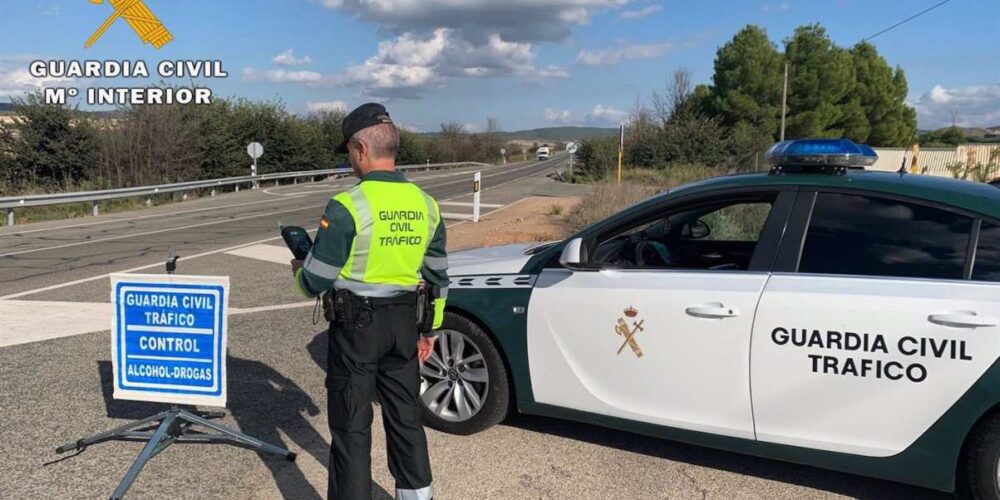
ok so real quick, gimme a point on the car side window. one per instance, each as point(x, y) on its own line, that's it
point(987, 265)
point(873, 236)
point(714, 236)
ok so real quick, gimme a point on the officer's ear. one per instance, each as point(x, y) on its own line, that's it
point(363, 150)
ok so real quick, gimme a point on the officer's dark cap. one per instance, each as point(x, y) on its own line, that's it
point(366, 115)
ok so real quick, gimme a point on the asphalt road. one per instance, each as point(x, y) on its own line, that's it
point(40, 255)
point(59, 390)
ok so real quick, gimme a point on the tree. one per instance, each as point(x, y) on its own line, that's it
point(945, 137)
point(49, 146)
point(746, 87)
point(881, 92)
point(413, 149)
point(821, 86)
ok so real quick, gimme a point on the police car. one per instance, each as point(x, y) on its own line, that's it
point(819, 314)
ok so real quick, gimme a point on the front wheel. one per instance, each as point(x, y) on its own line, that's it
point(463, 385)
point(983, 462)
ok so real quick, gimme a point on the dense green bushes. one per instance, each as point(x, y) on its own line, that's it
point(57, 148)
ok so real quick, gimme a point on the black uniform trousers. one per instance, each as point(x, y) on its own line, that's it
point(375, 356)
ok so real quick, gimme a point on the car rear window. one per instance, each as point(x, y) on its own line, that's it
point(987, 267)
point(872, 236)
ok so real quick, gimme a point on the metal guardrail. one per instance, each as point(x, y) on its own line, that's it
point(95, 197)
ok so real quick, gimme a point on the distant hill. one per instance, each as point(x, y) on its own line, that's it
point(6, 107)
point(560, 134)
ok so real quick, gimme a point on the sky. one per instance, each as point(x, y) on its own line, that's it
point(527, 63)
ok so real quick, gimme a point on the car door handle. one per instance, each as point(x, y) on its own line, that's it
point(962, 319)
point(712, 310)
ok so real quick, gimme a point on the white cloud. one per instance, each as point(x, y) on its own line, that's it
point(287, 58)
point(451, 39)
point(16, 80)
point(410, 64)
point(631, 15)
point(626, 52)
point(598, 116)
point(337, 106)
point(605, 116)
point(776, 7)
point(973, 106)
point(281, 76)
point(514, 20)
point(559, 116)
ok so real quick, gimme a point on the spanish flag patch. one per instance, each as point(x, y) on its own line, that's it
point(324, 223)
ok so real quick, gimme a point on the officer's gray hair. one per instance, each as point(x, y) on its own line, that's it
point(383, 139)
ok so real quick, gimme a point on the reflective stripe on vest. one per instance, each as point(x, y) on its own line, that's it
point(394, 223)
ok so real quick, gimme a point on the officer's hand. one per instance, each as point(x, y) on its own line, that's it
point(425, 346)
point(296, 265)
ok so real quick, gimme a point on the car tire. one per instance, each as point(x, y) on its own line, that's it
point(452, 383)
point(982, 464)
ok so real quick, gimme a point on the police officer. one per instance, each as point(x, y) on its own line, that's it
point(376, 243)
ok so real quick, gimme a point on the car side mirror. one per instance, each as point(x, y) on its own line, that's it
point(573, 255)
point(697, 230)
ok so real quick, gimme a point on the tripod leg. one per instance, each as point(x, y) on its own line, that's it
point(238, 436)
point(151, 448)
point(113, 433)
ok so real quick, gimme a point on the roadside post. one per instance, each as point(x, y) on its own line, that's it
point(477, 185)
point(621, 153)
point(503, 153)
point(255, 150)
point(571, 148)
point(168, 345)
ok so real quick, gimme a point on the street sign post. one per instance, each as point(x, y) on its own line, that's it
point(503, 153)
point(169, 346)
point(255, 150)
point(571, 148)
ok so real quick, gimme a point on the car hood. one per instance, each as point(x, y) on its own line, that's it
point(507, 259)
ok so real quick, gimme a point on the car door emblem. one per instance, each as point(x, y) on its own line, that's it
point(623, 330)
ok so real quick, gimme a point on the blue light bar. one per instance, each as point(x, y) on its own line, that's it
point(821, 153)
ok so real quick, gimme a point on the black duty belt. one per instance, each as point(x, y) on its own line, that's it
point(407, 298)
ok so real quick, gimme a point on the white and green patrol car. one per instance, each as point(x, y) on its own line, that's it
point(819, 314)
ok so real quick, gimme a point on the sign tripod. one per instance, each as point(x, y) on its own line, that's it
point(172, 426)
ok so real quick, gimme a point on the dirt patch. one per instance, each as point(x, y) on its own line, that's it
point(529, 220)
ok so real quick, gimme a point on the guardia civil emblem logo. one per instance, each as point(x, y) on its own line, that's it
point(139, 17)
point(623, 329)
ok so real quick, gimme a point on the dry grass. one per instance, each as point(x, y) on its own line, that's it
point(609, 198)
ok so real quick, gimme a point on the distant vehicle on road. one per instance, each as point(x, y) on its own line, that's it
point(543, 154)
point(820, 314)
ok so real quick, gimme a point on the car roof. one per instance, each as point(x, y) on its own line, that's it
point(973, 196)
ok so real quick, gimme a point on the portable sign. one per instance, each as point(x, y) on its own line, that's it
point(169, 338)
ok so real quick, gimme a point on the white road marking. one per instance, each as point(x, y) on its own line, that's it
point(452, 216)
point(27, 321)
point(158, 231)
point(133, 270)
point(467, 204)
point(32, 321)
point(281, 307)
point(267, 253)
